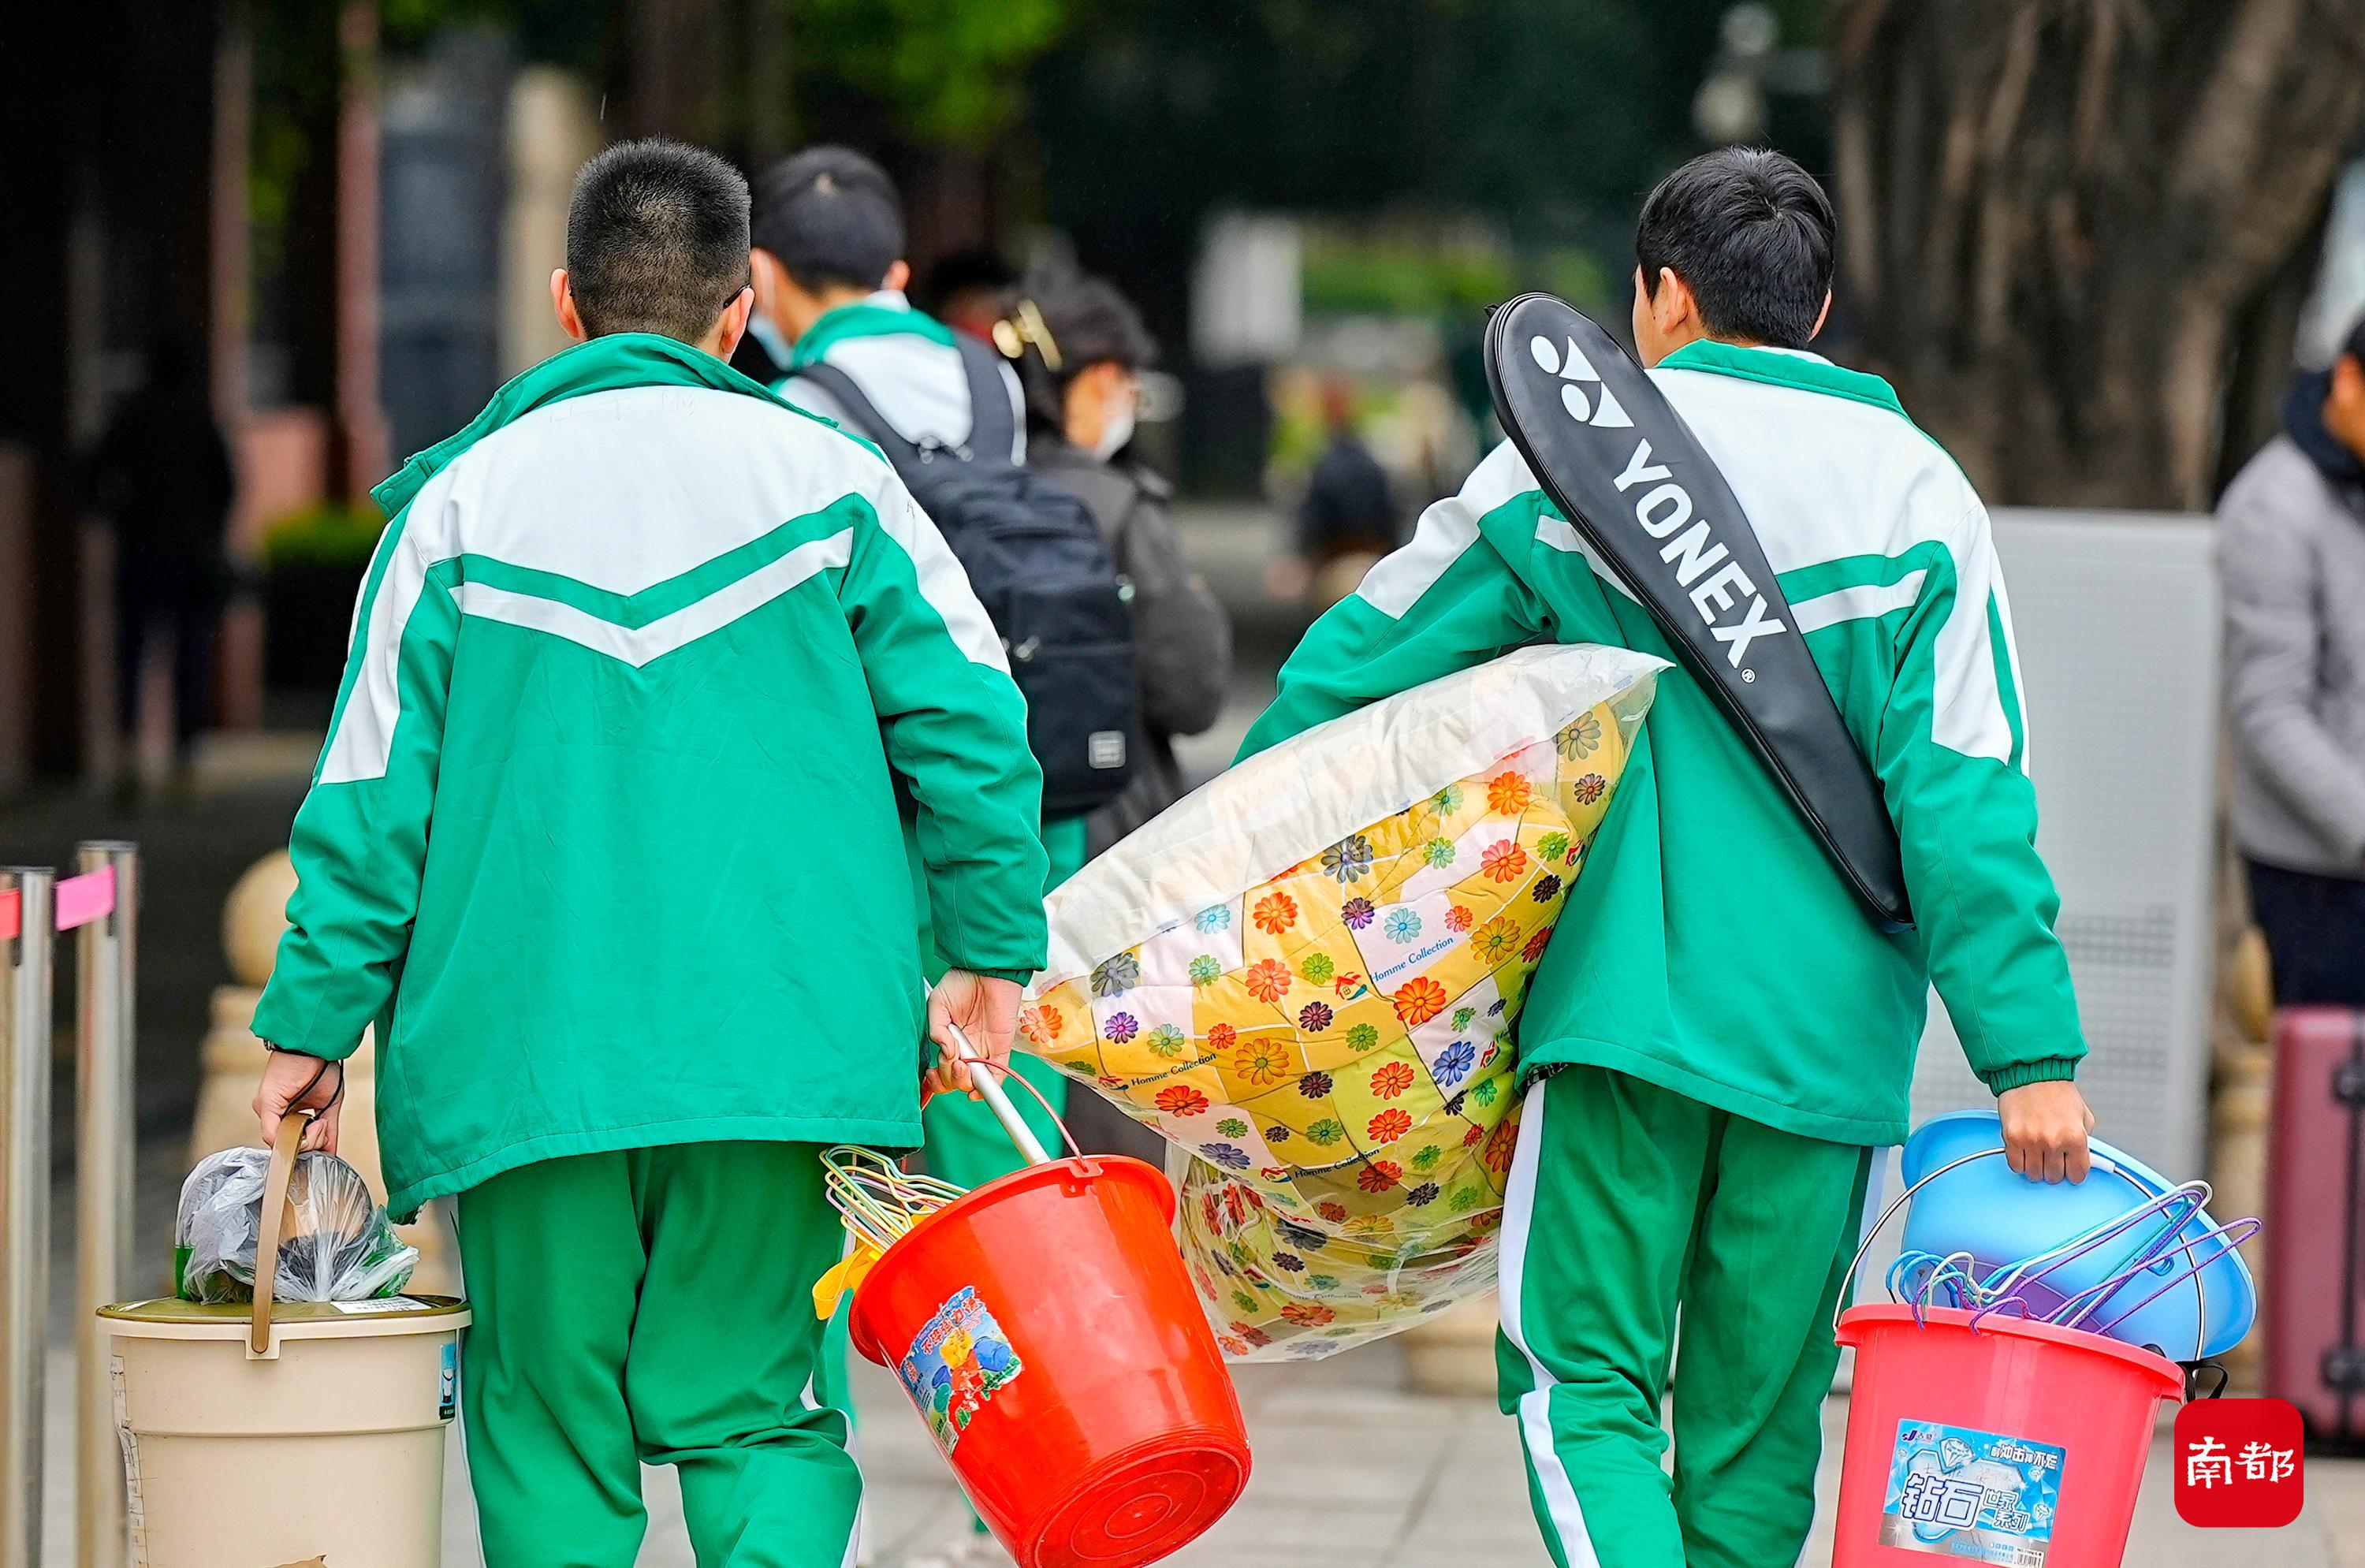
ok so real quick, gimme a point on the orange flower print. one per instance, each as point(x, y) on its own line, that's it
point(1391, 1079)
point(1535, 947)
point(1388, 1126)
point(1496, 941)
point(1040, 1025)
point(1261, 1063)
point(1181, 1100)
point(1331, 1209)
point(1307, 1313)
point(1509, 794)
point(1267, 979)
point(1504, 862)
point(1500, 1143)
point(1418, 1001)
point(1219, 1036)
point(1379, 1175)
point(1458, 918)
point(1274, 913)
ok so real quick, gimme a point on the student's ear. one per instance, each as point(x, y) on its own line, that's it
point(732, 325)
point(1820, 317)
point(562, 301)
point(898, 278)
point(1672, 309)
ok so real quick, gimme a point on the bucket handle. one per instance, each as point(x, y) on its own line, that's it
point(985, 1078)
point(266, 1245)
point(2101, 1162)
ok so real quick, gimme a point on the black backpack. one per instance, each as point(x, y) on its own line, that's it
point(1037, 561)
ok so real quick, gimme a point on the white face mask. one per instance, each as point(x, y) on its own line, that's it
point(1116, 429)
point(769, 338)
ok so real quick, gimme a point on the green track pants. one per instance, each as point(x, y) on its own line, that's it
point(654, 1305)
point(1626, 1201)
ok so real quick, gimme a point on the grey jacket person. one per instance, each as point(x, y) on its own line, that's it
point(1183, 638)
point(2291, 550)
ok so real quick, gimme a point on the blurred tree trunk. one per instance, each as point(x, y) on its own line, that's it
point(2059, 217)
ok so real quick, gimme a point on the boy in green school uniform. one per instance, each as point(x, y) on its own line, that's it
point(605, 843)
point(1718, 1038)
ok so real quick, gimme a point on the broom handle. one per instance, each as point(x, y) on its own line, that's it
point(989, 1089)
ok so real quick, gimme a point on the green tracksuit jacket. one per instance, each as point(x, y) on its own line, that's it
point(603, 838)
point(1710, 947)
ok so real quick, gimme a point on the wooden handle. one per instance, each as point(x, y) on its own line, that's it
point(292, 1127)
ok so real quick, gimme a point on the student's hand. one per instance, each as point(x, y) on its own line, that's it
point(2044, 1131)
point(293, 1082)
point(987, 1012)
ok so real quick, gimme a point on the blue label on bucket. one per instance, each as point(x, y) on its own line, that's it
point(1974, 1497)
point(958, 1360)
point(448, 1396)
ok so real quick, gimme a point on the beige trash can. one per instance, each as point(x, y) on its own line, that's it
point(289, 1432)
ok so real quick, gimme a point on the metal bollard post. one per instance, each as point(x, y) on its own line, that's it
point(24, 1206)
point(105, 1134)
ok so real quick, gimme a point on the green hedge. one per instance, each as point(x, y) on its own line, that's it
point(325, 535)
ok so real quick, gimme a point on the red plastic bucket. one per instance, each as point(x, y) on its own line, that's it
point(1048, 1333)
point(2017, 1444)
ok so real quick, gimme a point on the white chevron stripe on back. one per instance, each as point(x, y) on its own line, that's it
point(637, 645)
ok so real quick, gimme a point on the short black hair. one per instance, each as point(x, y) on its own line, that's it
point(978, 267)
point(657, 240)
point(1750, 234)
point(831, 216)
point(1088, 323)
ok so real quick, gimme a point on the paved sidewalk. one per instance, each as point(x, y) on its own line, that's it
point(1353, 1472)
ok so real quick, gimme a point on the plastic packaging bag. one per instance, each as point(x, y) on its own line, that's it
point(1306, 974)
point(337, 1244)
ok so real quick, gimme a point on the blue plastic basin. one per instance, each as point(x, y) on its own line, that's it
point(1999, 1217)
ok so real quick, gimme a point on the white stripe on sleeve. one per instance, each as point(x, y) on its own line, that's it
point(1446, 530)
point(1862, 602)
point(943, 583)
point(1966, 707)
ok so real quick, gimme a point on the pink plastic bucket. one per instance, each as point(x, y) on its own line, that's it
point(2017, 1444)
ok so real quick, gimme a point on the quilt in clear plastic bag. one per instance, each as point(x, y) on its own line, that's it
point(1308, 974)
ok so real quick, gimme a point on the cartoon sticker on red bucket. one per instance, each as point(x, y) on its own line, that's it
point(1974, 1497)
point(959, 1360)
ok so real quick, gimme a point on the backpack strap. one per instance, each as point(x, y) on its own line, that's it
point(993, 424)
point(902, 455)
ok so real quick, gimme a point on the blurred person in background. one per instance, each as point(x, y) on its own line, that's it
point(2291, 550)
point(161, 474)
point(830, 276)
point(1348, 518)
point(1081, 348)
point(967, 289)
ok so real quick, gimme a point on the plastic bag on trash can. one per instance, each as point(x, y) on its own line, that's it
point(338, 1244)
point(1309, 975)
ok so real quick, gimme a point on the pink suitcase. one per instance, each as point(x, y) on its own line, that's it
point(2314, 1310)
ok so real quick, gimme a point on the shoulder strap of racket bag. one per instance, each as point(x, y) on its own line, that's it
point(1635, 483)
